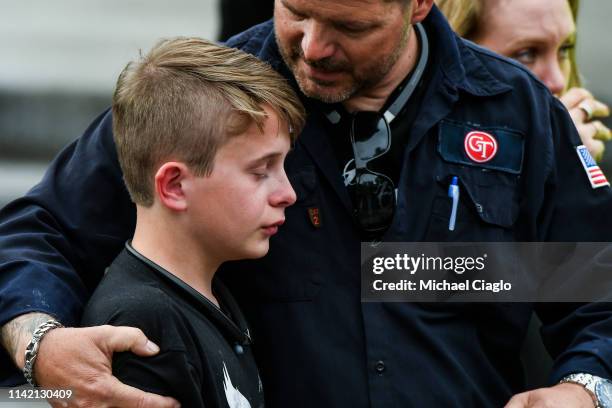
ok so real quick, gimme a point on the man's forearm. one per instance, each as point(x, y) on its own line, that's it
point(17, 333)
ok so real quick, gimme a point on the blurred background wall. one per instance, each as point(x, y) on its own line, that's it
point(60, 61)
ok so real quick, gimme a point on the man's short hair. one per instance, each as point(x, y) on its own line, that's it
point(183, 100)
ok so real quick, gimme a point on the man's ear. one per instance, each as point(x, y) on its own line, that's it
point(420, 10)
point(169, 185)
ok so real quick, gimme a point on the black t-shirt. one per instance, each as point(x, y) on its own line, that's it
point(205, 357)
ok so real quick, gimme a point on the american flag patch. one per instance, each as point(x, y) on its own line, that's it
point(596, 176)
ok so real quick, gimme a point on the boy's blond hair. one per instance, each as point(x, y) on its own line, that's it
point(183, 100)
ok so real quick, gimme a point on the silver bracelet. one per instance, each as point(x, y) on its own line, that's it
point(32, 349)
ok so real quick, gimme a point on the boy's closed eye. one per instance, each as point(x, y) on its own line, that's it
point(261, 167)
point(260, 172)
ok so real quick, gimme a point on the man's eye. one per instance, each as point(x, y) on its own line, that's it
point(526, 57)
point(296, 16)
point(352, 29)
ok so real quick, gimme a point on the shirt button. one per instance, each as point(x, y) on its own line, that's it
point(238, 349)
point(380, 367)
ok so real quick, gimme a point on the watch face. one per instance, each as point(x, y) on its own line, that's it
point(603, 391)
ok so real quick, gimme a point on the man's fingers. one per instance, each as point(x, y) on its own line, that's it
point(80, 359)
point(125, 396)
point(110, 392)
point(117, 339)
point(518, 401)
point(58, 403)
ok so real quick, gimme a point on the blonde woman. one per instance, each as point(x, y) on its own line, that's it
point(541, 34)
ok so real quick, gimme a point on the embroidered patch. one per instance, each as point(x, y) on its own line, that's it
point(594, 173)
point(315, 218)
point(480, 146)
point(510, 146)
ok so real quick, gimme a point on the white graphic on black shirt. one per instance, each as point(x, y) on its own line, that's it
point(349, 173)
point(234, 398)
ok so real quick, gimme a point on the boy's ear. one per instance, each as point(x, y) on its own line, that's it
point(169, 185)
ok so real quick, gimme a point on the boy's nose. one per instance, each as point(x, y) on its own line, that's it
point(285, 195)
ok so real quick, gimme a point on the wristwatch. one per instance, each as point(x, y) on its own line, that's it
point(600, 388)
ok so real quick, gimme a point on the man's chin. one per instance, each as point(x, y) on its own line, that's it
point(325, 92)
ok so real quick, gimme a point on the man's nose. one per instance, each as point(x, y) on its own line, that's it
point(317, 42)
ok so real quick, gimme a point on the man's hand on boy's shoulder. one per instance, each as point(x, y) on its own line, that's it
point(79, 359)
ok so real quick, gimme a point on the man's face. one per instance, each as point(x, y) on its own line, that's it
point(235, 210)
point(336, 49)
point(538, 33)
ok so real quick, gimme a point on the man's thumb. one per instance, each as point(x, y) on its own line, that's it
point(121, 338)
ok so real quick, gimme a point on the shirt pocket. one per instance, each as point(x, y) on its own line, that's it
point(488, 206)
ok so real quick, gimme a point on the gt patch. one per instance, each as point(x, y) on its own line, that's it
point(494, 148)
point(480, 146)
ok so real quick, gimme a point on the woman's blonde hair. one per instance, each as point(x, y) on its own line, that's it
point(465, 15)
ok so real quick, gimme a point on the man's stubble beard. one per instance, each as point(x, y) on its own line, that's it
point(373, 75)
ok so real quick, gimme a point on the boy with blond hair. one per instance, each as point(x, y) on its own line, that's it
point(202, 132)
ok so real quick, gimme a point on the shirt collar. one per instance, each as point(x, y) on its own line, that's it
point(457, 60)
point(237, 328)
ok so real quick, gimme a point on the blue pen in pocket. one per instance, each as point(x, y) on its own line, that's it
point(453, 193)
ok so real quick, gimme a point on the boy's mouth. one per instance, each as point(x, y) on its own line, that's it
point(273, 228)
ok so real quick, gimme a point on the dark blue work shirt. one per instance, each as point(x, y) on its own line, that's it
point(316, 343)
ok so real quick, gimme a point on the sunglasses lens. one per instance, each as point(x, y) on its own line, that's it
point(373, 200)
point(371, 135)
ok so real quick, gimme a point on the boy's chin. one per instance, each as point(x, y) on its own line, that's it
point(258, 250)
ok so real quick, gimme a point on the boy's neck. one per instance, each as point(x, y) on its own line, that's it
point(162, 241)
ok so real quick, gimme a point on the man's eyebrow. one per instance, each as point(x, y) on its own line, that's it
point(363, 25)
point(290, 8)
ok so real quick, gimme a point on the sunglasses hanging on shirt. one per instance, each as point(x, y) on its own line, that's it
point(373, 194)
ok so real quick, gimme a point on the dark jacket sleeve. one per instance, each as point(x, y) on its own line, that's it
point(579, 336)
point(56, 241)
